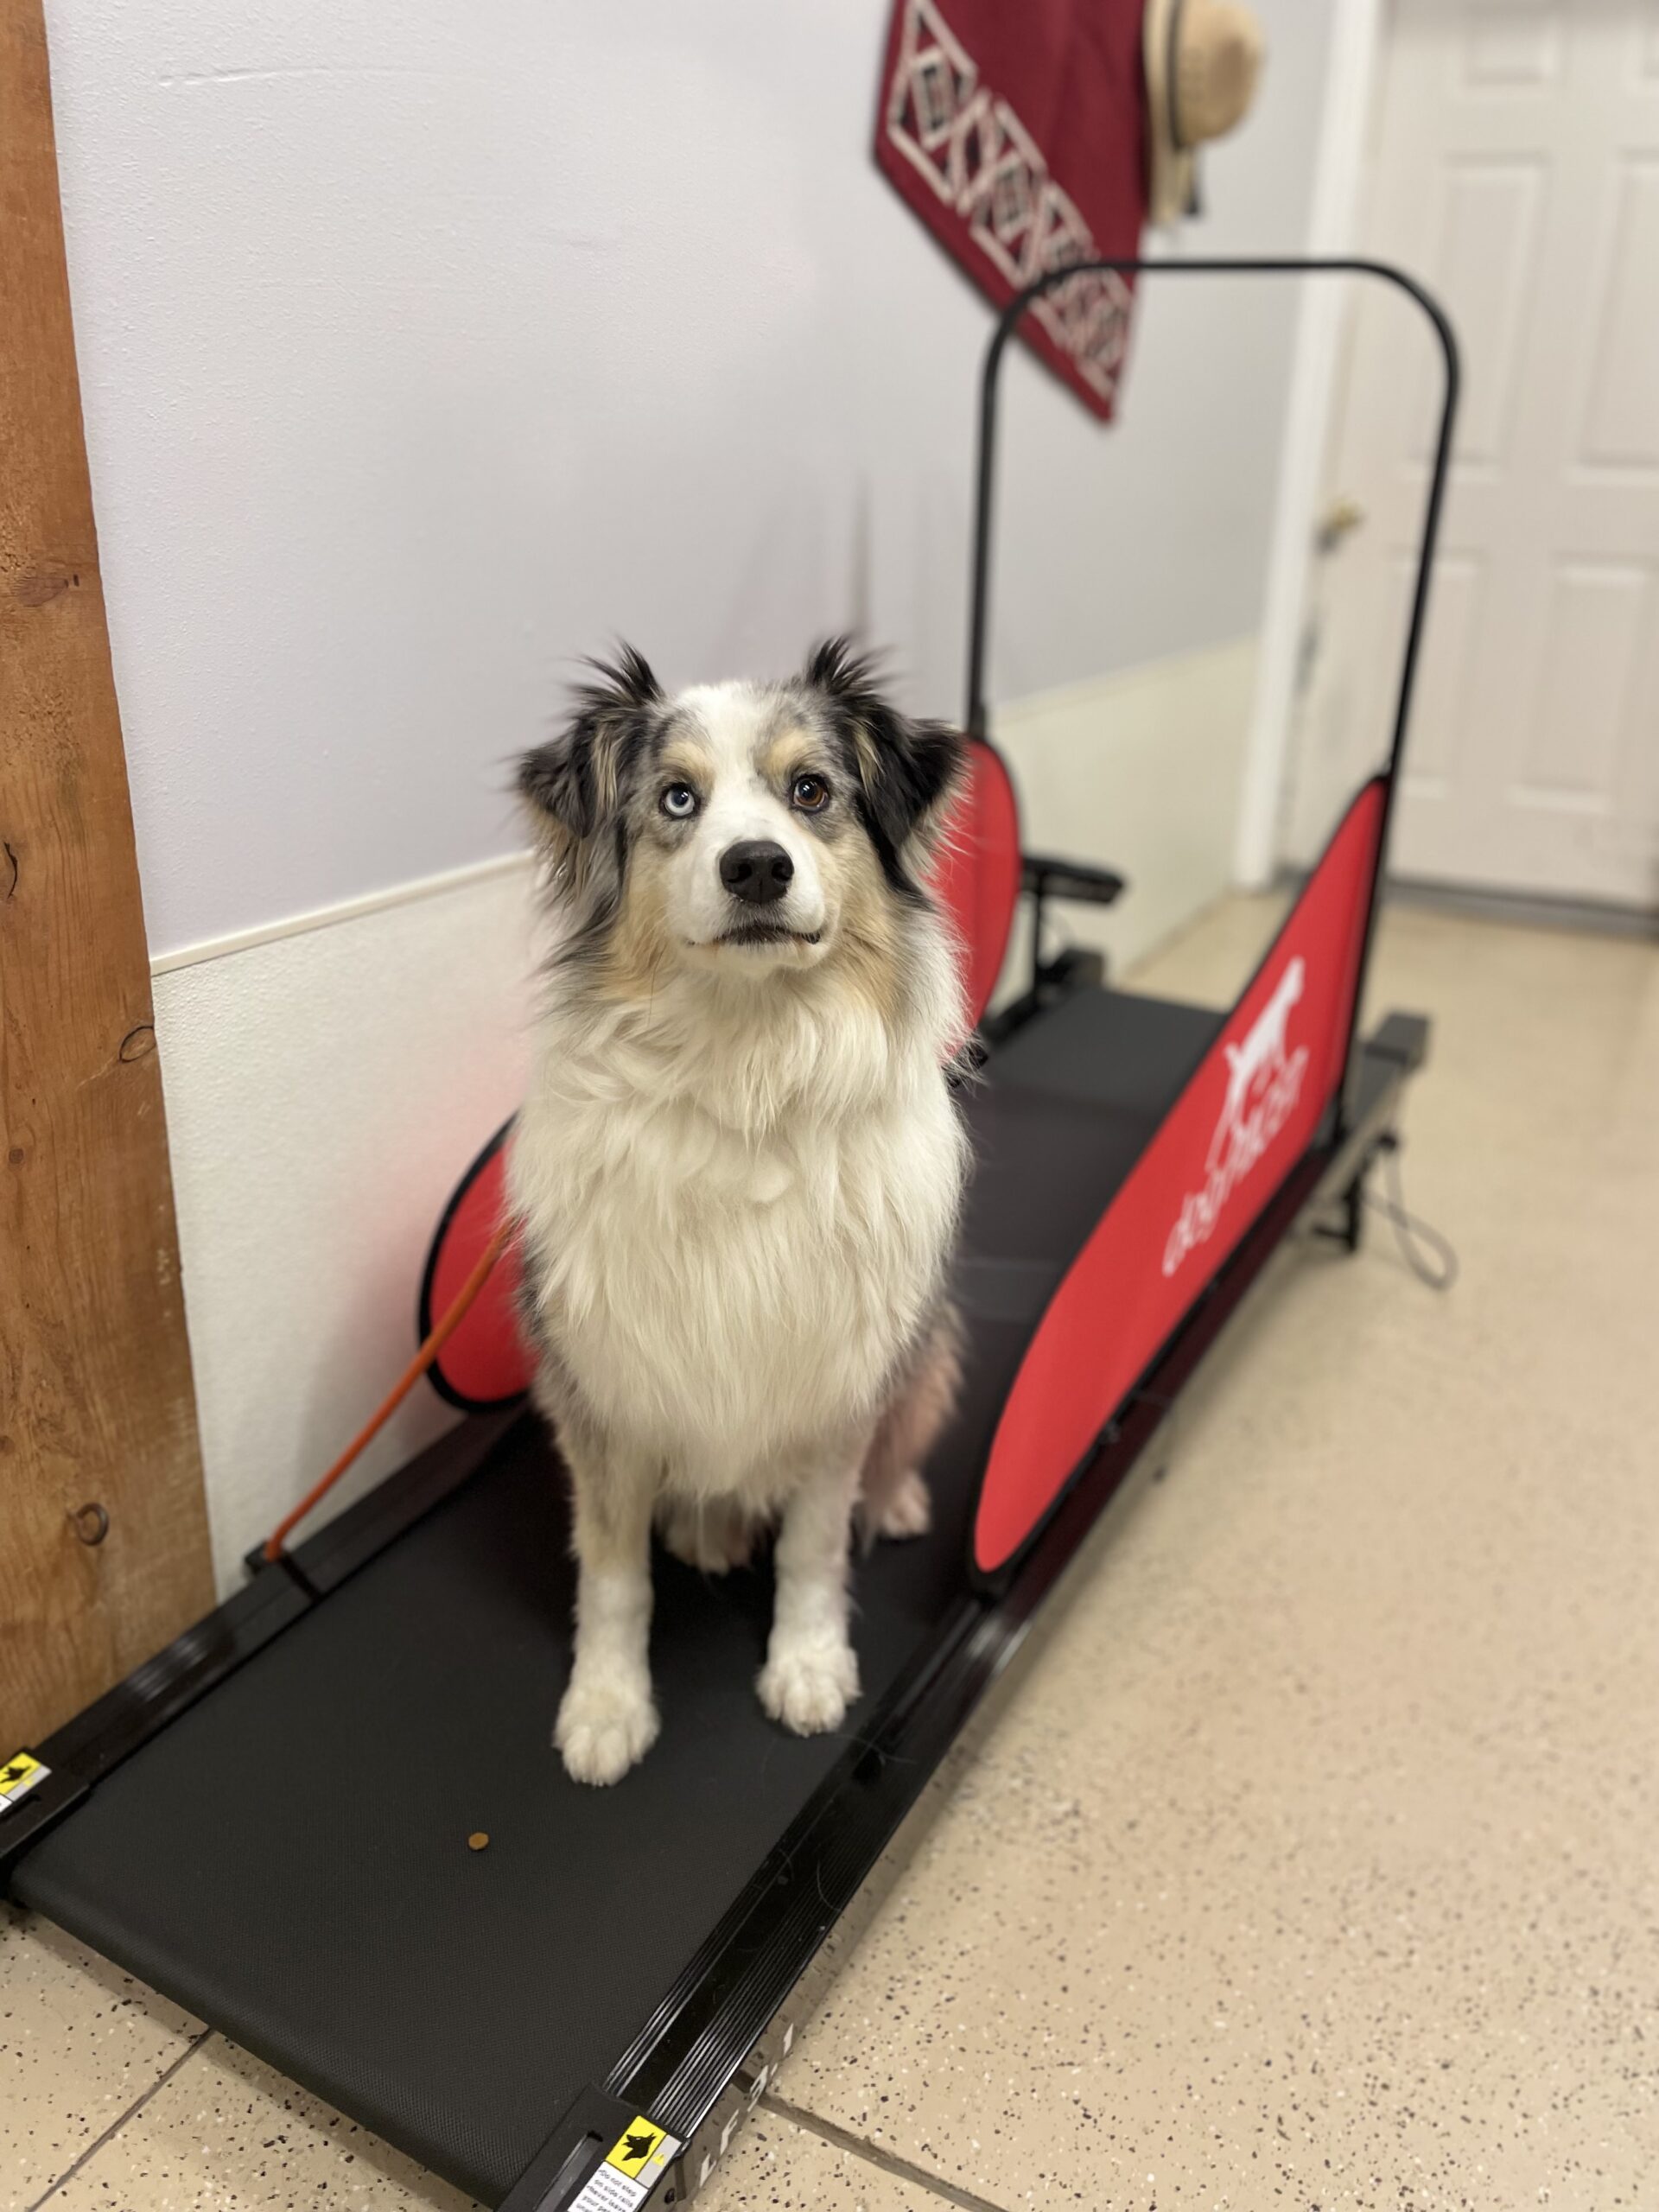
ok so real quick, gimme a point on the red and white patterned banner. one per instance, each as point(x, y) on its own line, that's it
point(1018, 136)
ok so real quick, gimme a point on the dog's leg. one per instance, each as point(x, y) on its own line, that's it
point(811, 1675)
point(893, 1498)
point(607, 1718)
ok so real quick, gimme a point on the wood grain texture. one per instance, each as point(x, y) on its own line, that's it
point(96, 1404)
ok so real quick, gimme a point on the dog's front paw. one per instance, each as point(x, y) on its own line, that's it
point(809, 1687)
point(604, 1728)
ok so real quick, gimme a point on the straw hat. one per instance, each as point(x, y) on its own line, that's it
point(1202, 57)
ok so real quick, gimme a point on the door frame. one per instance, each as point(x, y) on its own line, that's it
point(1347, 129)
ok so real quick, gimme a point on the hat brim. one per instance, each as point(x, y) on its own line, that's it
point(1169, 167)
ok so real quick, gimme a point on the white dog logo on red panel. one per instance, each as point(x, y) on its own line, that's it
point(1264, 1080)
point(1262, 1053)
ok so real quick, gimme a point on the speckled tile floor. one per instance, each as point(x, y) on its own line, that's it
point(1312, 1864)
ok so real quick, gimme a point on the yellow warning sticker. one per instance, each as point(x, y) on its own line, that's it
point(20, 1773)
point(637, 2147)
point(628, 2176)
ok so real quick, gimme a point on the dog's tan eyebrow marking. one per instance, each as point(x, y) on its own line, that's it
point(788, 752)
point(684, 757)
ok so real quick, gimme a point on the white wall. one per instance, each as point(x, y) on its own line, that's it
point(1112, 751)
point(424, 349)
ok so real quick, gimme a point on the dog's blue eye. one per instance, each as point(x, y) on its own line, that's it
point(810, 793)
point(680, 801)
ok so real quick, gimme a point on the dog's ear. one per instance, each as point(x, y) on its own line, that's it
point(909, 772)
point(576, 781)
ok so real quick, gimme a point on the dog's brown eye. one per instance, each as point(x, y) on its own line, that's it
point(679, 802)
point(810, 793)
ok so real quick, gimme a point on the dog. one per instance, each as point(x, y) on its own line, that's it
point(739, 1168)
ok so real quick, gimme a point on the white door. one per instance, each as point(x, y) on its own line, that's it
point(1515, 167)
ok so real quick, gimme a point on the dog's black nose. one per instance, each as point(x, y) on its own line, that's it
point(757, 870)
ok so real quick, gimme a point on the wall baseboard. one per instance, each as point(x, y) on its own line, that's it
point(1524, 909)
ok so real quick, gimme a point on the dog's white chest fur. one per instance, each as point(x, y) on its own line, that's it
point(730, 1250)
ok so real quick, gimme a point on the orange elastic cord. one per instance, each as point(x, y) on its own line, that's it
point(411, 1374)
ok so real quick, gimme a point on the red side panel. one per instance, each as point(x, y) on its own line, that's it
point(1245, 1117)
point(976, 879)
point(486, 1362)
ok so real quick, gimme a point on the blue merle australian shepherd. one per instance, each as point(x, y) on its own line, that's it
point(739, 1166)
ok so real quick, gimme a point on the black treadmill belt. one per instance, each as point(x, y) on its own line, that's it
point(290, 1857)
point(1112, 1049)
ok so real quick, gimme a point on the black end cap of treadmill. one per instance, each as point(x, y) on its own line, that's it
point(1402, 1038)
point(24, 1823)
point(572, 2154)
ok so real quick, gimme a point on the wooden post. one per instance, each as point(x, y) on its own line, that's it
point(97, 1410)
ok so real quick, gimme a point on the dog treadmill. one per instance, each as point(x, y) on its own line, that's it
point(276, 1821)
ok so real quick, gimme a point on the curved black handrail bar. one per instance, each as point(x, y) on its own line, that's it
point(1224, 265)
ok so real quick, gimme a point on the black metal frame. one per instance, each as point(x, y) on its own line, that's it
point(1224, 265)
point(1042, 877)
point(686, 2066)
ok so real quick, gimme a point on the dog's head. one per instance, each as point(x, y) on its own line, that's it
point(741, 828)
